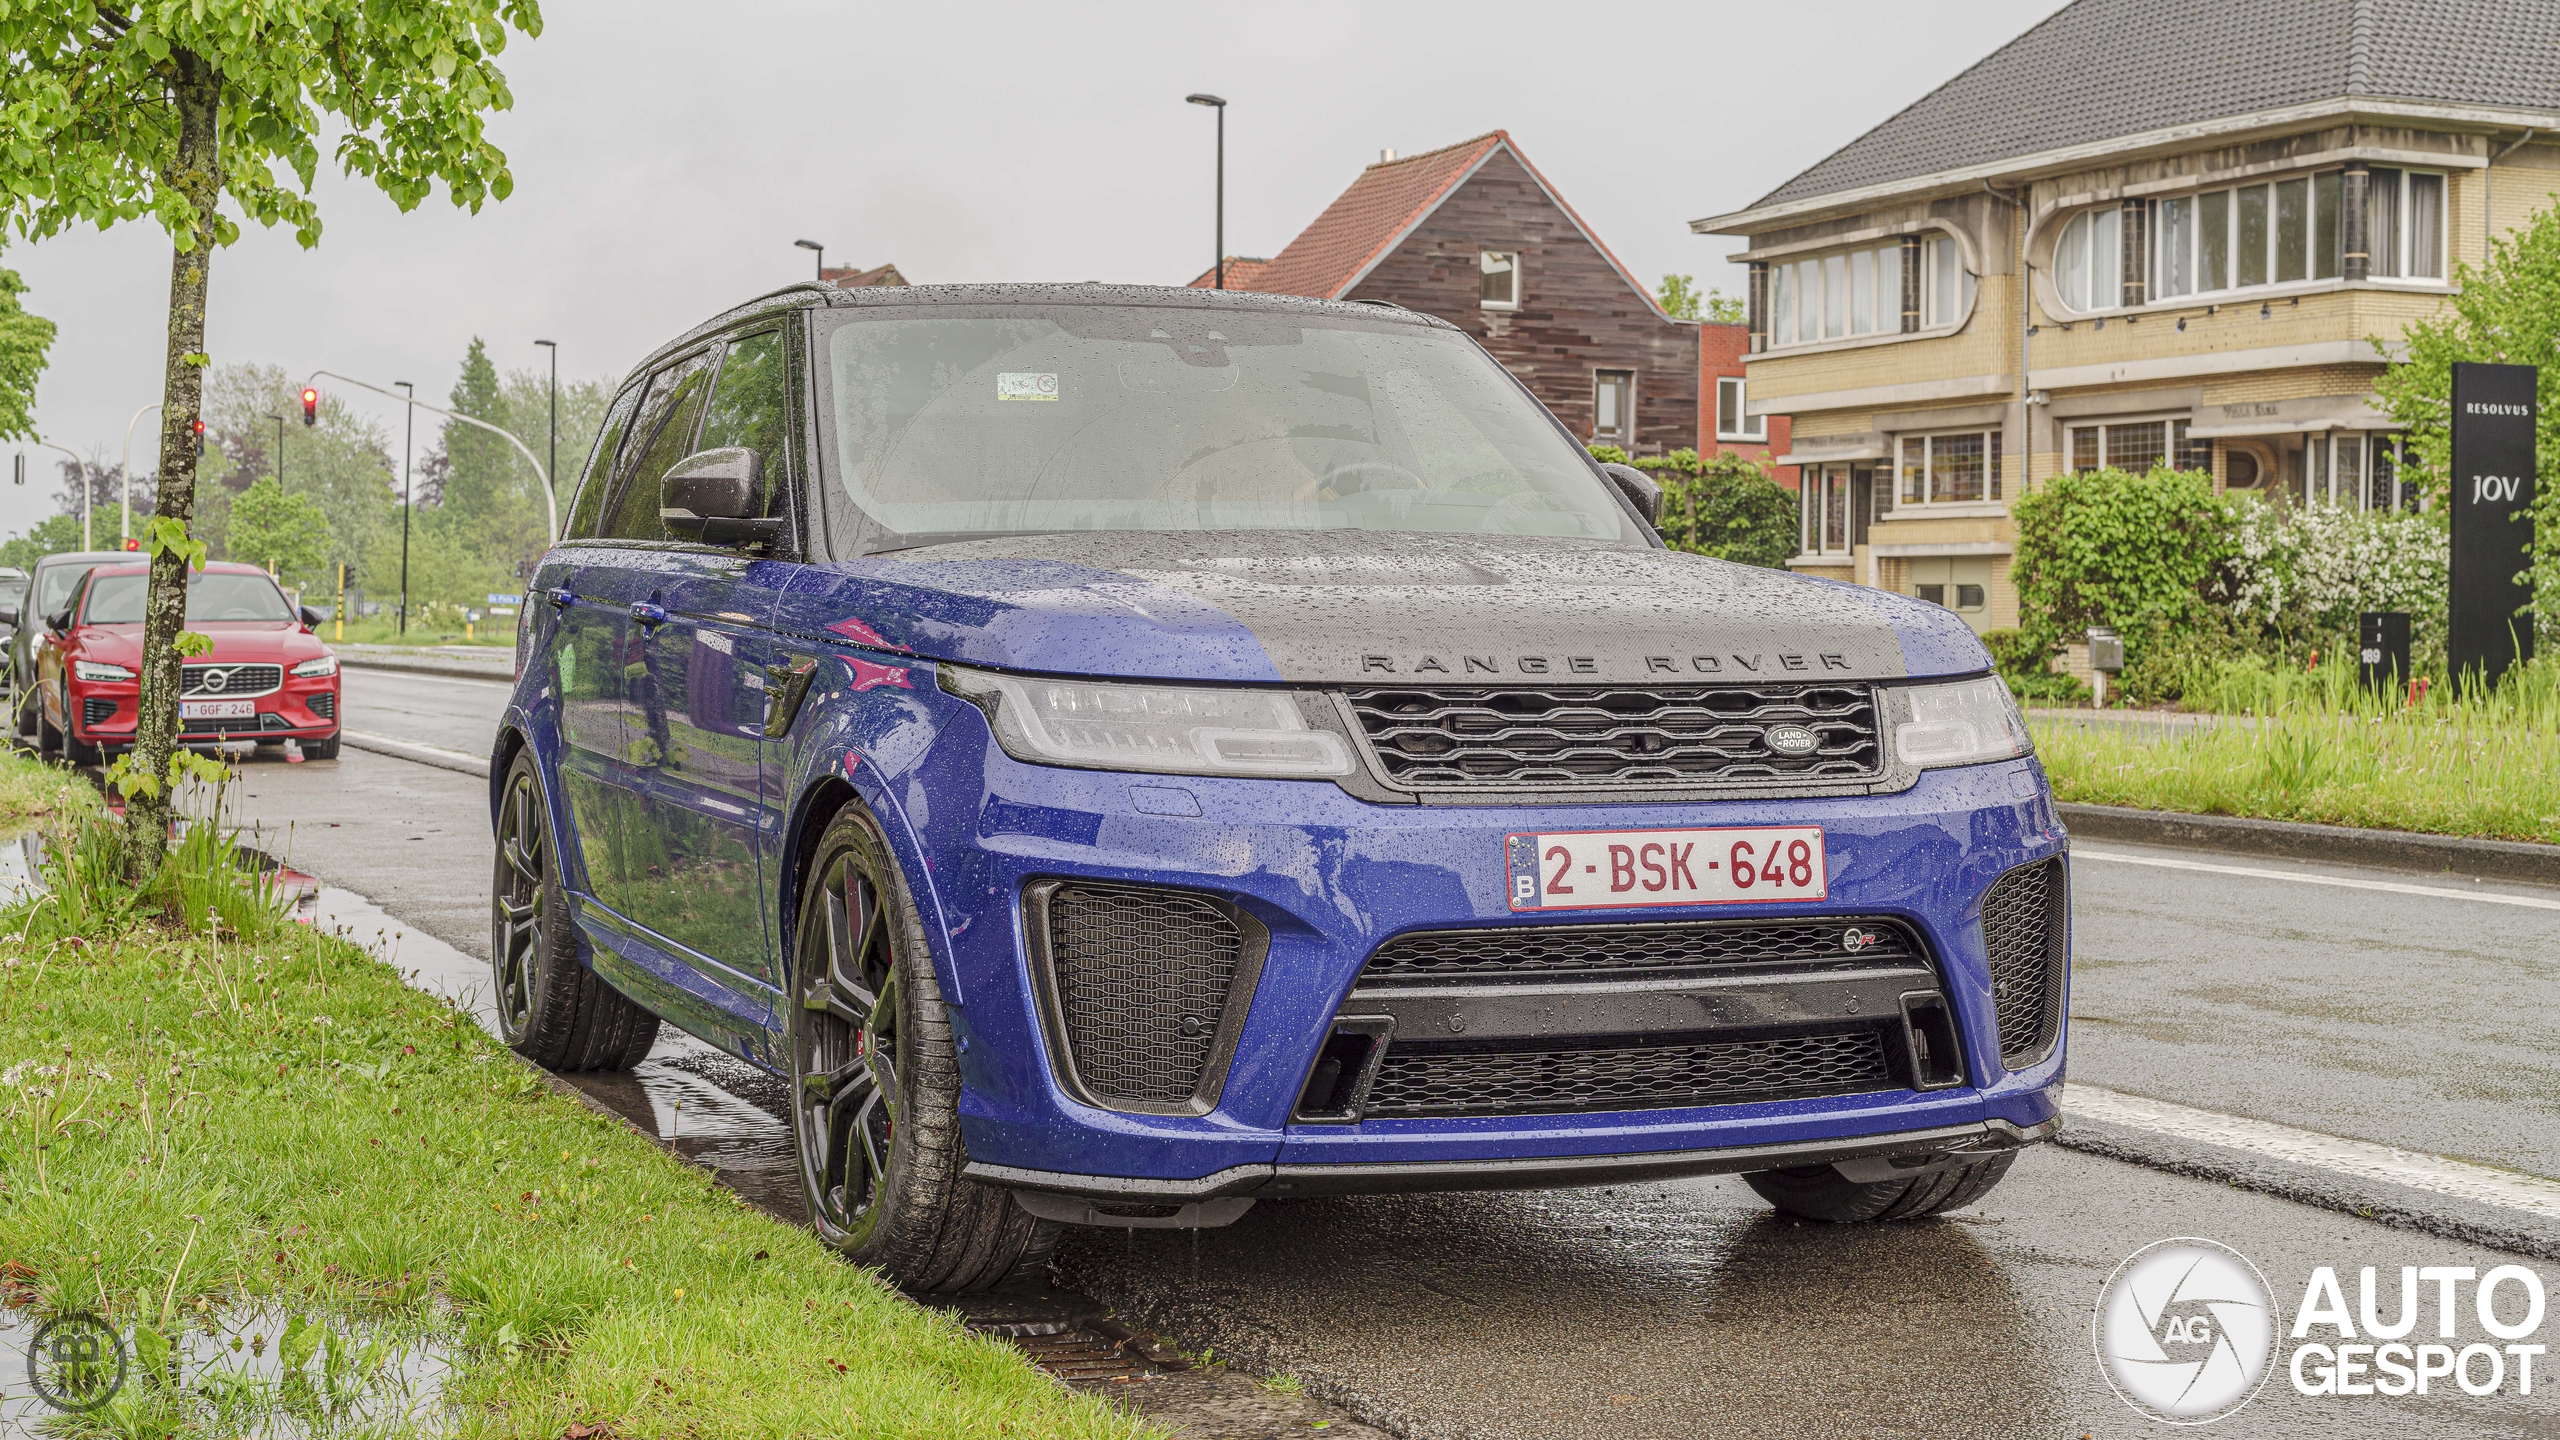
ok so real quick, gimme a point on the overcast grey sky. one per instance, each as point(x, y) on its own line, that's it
point(666, 155)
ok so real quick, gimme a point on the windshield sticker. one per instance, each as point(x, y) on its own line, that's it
point(1026, 385)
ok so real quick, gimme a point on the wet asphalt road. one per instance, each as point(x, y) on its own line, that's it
point(1687, 1308)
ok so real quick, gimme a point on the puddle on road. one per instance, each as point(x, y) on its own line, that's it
point(257, 1371)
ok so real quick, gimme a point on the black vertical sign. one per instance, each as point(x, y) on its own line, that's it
point(2492, 483)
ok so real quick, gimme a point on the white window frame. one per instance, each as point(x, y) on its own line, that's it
point(2079, 225)
point(2071, 431)
point(1801, 297)
point(1753, 427)
point(1625, 435)
point(1481, 271)
point(1814, 488)
point(1994, 453)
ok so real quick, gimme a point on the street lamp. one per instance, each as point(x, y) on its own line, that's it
point(822, 256)
point(85, 486)
point(1214, 103)
point(552, 478)
point(124, 538)
point(408, 438)
point(279, 448)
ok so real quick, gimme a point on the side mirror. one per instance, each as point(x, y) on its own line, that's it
point(1640, 490)
point(9, 616)
point(712, 495)
point(311, 618)
point(59, 620)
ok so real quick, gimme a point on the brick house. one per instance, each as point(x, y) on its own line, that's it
point(1726, 424)
point(2210, 250)
point(1473, 234)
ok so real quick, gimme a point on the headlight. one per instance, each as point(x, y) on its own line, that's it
point(312, 669)
point(1966, 723)
point(92, 670)
point(1179, 730)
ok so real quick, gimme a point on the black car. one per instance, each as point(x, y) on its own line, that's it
point(48, 590)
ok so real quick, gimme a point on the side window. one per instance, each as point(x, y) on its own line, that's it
point(750, 407)
point(663, 436)
point(589, 504)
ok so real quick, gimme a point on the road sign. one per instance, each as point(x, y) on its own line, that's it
point(497, 599)
point(2382, 650)
point(2489, 628)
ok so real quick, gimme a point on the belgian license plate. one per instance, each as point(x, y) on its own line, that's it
point(217, 709)
point(1620, 869)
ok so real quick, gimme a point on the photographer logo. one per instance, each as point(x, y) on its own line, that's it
point(2184, 1331)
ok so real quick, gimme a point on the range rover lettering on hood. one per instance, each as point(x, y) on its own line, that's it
point(1377, 608)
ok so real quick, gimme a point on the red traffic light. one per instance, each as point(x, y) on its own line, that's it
point(131, 543)
point(199, 437)
point(310, 406)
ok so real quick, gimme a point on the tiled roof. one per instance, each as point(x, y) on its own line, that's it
point(1365, 220)
point(849, 278)
point(1242, 273)
point(2097, 69)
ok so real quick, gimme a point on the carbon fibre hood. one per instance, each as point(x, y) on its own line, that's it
point(1335, 607)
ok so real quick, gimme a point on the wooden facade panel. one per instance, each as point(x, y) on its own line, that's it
point(1577, 313)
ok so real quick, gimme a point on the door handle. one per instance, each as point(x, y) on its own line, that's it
point(648, 614)
point(563, 597)
point(785, 687)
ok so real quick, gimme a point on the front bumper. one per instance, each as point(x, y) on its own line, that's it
point(1328, 879)
point(103, 713)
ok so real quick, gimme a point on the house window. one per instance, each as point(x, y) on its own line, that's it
point(2283, 232)
point(1734, 420)
point(1823, 504)
point(2138, 446)
point(2357, 470)
point(1613, 404)
point(1946, 287)
point(1840, 297)
point(1952, 469)
point(1498, 284)
point(1961, 583)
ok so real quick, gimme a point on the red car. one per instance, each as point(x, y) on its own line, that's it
point(269, 678)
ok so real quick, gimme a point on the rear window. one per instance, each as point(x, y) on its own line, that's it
point(117, 599)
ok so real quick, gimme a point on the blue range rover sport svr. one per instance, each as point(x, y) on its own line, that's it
point(1124, 754)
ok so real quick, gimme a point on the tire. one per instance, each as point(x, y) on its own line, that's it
point(25, 711)
point(321, 749)
point(875, 1085)
point(48, 739)
point(77, 752)
point(1818, 1192)
point(552, 1010)
point(269, 743)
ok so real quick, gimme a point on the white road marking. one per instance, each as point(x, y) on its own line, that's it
point(436, 755)
point(2395, 887)
point(2358, 1158)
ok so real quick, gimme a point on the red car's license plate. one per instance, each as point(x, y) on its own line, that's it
point(217, 709)
point(1612, 869)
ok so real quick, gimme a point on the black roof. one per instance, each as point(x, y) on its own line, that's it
point(2097, 69)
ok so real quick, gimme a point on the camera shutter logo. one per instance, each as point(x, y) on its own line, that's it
point(76, 1363)
point(2185, 1330)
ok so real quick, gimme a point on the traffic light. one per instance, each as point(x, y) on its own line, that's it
point(199, 437)
point(310, 406)
point(131, 543)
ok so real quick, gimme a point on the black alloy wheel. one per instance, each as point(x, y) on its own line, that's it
point(552, 1009)
point(875, 1084)
point(848, 1048)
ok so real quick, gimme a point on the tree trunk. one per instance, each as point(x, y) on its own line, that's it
point(197, 176)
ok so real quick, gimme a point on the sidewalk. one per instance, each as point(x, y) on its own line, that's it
point(481, 662)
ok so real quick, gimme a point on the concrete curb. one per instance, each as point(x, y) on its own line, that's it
point(500, 665)
point(2337, 844)
point(441, 758)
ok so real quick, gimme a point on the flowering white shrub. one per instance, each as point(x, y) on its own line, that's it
point(2310, 572)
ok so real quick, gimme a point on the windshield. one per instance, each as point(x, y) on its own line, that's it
point(117, 599)
point(58, 581)
point(1016, 419)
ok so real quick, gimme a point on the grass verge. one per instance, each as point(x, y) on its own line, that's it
point(203, 1122)
point(2316, 748)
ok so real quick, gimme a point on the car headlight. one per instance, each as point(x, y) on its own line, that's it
point(1169, 729)
point(1969, 722)
point(313, 669)
point(92, 670)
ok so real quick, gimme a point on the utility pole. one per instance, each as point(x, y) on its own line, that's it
point(279, 447)
point(1214, 103)
point(408, 500)
point(551, 477)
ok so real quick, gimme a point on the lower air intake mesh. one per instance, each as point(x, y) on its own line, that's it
point(1653, 1077)
point(325, 706)
point(2025, 930)
point(1142, 978)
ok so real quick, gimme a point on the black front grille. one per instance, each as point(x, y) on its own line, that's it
point(1142, 977)
point(325, 706)
point(217, 681)
point(96, 710)
point(2025, 930)
point(1600, 950)
point(1718, 734)
point(1412, 1082)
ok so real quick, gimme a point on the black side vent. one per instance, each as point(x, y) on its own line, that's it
point(1146, 989)
point(325, 706)
point(97, 710)
point(2026, 931)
